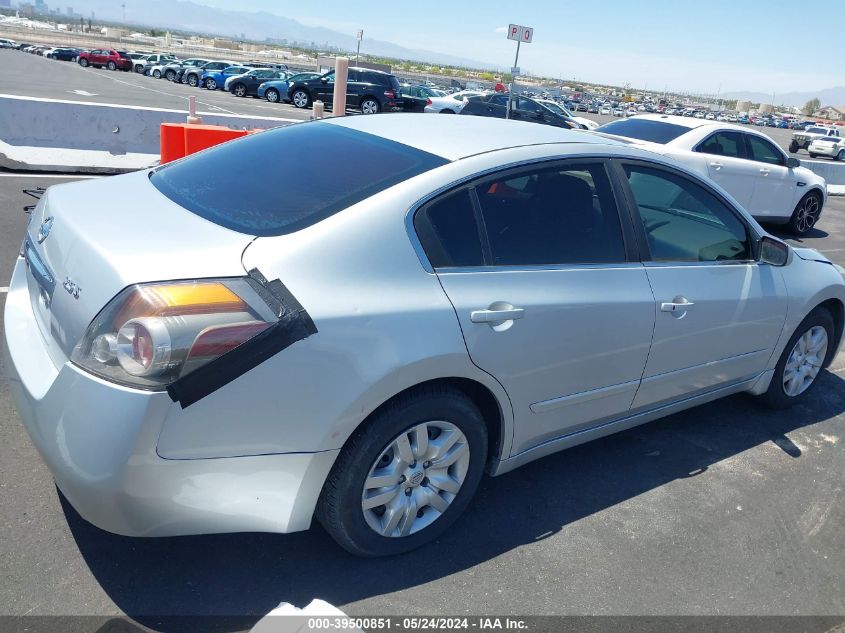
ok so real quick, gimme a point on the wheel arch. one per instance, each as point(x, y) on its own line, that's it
point(496, 413)
point(837, 310)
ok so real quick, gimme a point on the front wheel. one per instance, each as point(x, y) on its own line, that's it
point(447, 111)
point(370, 106)
point(813, 155)
point(301, 99)
point(272, 95)
point(157, 73)
point(793, 147)
point(406, 475)
point(211, 84)
point(801, 361)
point(170, 75)
point(111, 66)
point(193, 81)
point(83, 62)
point(806, 214)
point(239, 90)
point(841, 155)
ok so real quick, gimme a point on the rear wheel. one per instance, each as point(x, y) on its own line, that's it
point(369, 106)
point(139, 68)
point(801, 361)
point(193, 80)
point(406, 475)
point(157, 73)
point(111, 66)
point(813, 155)
point(170, 75)
point(793, 147)
point(83, 62)
point(301, 99)
point(211, 84)
point(841, 155)
point(272, 95)
point(447, 111)
point(806, 213)
point(239, 90)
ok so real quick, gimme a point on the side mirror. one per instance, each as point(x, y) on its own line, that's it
point(792, 162)
point(773, 252)
point(324, 80)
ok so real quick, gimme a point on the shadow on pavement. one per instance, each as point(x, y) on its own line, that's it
point(244, 576)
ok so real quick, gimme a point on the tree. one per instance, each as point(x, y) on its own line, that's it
point(811, 106)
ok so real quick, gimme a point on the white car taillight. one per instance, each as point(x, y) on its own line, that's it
point(150, 335)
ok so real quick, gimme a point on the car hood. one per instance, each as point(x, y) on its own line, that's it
point(810, 255)
point(104, 235)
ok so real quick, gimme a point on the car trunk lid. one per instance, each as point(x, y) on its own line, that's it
point(88, 240)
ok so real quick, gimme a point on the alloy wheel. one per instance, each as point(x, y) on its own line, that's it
point(300, 99)
point(369, 106)
point(272, 96)
point(807, 214)
point(211, 84)
point(240, 90)
point(804, 362)
point(415, 479)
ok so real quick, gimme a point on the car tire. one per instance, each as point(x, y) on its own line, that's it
point(273, 95)
point(806, 214)
point(193, 81)
point(83, 62)
point(210, 84)
point(446, 112)
point(840, 156)
point(813, 155)
point(157, 73)
point(364, 529)
point(239, 90)
point(370, 105)
point(803, 357)
point(111, 66)
point(139, 68)
point(170, 75)
point(301, 99)
point(793, 147)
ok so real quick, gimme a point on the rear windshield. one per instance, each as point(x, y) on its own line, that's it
point(284, 180)
point(817, 130)
point(645, 130)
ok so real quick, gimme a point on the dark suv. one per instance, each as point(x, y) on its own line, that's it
point(369, 91)
point(523, 109)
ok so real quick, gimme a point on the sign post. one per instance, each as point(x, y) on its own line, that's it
point(359, 36)
point(519, 34)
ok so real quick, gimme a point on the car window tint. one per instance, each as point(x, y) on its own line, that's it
point(526, 105)
point(724, 144)
point(685, 222)
point(252, 186)
point(763, 151)
point(448, 231)
point(501, 100)
point(645, 130)
point(552, 216)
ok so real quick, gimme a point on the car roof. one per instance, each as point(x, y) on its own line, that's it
point(689, 122)
point(457, 137)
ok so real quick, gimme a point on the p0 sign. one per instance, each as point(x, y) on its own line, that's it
point(519, 33)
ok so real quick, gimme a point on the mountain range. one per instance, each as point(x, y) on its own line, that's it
point(828, 96)
point(188, 16)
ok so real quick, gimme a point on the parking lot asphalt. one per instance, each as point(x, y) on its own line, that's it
point(724, 509)
point(27, 75)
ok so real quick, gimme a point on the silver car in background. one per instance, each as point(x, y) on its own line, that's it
point(257, 337)
point(830, 146)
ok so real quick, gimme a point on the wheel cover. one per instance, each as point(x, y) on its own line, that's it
point(240, 91)
point(192, 81)
point(300, 99)
point(807, 214)
point(272, 96)
point(211, 84)
point(415, 479)
point(369, 107)
point(804, 362)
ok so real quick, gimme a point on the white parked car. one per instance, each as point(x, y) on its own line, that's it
point(605, 110)
point(830, 146)
point(467, 296)
point(450, 104)
point(772, 186)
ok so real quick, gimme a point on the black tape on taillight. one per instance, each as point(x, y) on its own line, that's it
point(294, 324)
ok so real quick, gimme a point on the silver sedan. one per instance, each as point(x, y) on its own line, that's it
point(252, 337)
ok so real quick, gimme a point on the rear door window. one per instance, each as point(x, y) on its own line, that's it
point(724, 144)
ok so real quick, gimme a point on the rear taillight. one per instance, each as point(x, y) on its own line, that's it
point(389, 94)
point(428, 101)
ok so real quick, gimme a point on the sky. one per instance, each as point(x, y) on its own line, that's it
point(704, 46)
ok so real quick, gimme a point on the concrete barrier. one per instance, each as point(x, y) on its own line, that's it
point(99, 137)
point(832, 172)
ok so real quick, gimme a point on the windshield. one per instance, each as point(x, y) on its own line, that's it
point(253, 187)
point(645, 130)
point(816, 130)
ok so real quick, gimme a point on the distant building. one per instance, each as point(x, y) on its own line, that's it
point(69, 11)
point(766, 108)
point(830, 113)
point(743, 106)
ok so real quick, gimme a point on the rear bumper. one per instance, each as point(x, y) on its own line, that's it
point(99, 441)
point(824, 151)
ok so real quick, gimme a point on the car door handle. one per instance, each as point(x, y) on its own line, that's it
point(676, 306)
point(764, 171)
point(718, 166)
point(495, 316)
